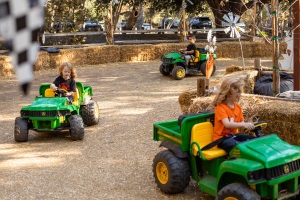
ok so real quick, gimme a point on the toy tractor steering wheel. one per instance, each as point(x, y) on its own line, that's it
point(61, 92)
point(258, 126)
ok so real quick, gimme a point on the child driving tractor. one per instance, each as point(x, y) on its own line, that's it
point(189, 51)
point(65, 81)
point(229, 116)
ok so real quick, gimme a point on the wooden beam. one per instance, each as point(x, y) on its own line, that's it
point(296, 22)
point(202, 86)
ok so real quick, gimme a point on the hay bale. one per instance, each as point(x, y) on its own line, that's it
point(43, 62)
point(185, 99)
point(6, 68)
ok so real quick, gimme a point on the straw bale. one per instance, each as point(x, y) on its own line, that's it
point(185, 99)
point(94, 55)
point(102, 54)
point(130, 53)
point(76, 56)
point(234, 68)
point(201, 103)
point(43, 62)
point(6, 68)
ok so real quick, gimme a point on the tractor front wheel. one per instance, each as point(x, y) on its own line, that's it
point(162, 71)
point(76, 127)
point(172, 174)
point(21, 130)
point(237, 191)
point(203, 69)
point(178, 72)
point(90, 113)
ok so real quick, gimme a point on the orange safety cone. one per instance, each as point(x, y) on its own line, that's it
point(209, 66)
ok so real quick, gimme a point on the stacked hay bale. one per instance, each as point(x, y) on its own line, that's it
point(130, 53)
point(94, 55)
point(6, 68)
point(185, 99)
point(282, 115)
point(44, 61)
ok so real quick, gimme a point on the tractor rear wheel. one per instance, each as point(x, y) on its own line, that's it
point(172, 174)
point(237, 191)
point(178, 72)
point(162, 71)
point(76, 127)
point(203, 69)
point(90, 113)
point(21, 130)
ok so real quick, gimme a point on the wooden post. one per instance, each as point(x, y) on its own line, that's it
point(257, 66)
point(202, 86)
point(296, 22)
point(275, 43)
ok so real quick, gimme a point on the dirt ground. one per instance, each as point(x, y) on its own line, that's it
point(114, 159)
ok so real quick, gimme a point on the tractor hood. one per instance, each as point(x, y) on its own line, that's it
point(269, 150)
point(48, 103)
point(172, 57)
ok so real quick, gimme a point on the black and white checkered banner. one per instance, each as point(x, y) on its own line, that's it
point(20, 21)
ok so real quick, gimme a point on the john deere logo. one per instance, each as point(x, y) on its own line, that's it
point(43, 114)
point(286, 169)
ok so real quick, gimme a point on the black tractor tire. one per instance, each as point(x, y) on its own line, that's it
point(203, 69)
point(237, 191)
point(178, 72)
point(171, 174)
point(90, 113)
point(76, 127)
point(21, 130)
point(162, 71)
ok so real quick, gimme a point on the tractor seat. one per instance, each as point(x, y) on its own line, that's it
point(76, 97)
point(196, 57)
point(49, 92)
point(202, 135)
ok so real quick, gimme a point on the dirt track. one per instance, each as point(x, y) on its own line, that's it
point(114, 159)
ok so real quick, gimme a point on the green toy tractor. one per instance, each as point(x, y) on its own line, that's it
point(262, 168)
point(174, 63)
point(54, 112)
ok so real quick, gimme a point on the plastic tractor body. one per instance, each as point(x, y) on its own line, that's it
point(50, 112)
point(174, 63)
point(262, 168)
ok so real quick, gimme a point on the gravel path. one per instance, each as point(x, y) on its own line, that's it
point(114, 159)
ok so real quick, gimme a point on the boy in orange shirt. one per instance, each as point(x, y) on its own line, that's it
point(229, 116)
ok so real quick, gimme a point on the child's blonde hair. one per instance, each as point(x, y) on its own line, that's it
point(226, 88)
point(69, 65)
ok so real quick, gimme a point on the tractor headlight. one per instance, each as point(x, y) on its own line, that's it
point(257, 175)
point(182, 57)
point(24, 113)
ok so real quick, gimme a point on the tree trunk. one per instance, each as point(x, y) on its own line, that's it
point(132, 19)
point(182, 26)
point(109, 31)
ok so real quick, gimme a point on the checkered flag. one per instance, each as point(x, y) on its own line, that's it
point(20, 21)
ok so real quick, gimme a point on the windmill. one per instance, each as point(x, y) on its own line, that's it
point(234, 28)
